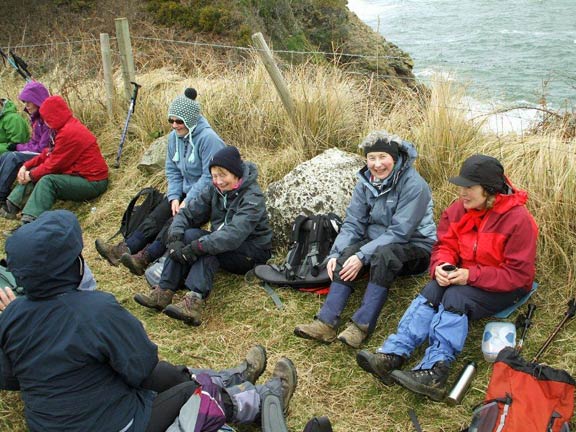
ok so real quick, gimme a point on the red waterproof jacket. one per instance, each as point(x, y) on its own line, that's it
point(497, 246)
point(75, 150)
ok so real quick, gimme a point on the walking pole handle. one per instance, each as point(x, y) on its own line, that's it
point(569, 314)
point(134, 95)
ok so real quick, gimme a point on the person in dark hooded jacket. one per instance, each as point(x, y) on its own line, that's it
point(33, 95)
point(84, 364)
point(389, 229)
point(71, 169)
point(240, 237)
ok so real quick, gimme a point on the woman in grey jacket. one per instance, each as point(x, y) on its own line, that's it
point(389, 230)
point(240, 237)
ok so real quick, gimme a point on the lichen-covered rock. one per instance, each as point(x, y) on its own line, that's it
point(323, 184)
point(154, 158)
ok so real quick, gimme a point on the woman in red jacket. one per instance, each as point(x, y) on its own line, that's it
point(70, 168)
point(483, 261)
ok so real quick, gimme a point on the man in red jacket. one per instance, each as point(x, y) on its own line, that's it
point(70, 168)
point(483, 262)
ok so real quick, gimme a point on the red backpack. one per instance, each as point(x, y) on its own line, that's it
point(524, 396)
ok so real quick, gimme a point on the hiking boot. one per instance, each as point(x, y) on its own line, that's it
point(137, 263)
point(157, 298)
point(316, 330)
point(428, 382)
point(255, 363)
point(188, 310)
point(380, 365)
point(353, 335)
point(6, 214)
point(112, 253)
point(286, 372)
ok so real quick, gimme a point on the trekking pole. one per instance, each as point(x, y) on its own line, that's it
point(12, 62)
point(22, 65)
point(525, 326)
point(125, 130)
point(569, 314)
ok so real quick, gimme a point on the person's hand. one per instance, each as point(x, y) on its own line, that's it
point(351, 268)
point(330, 266)
point(188, 254)
point(11, 147)
point(175, 206)
point(459, 277)
point(441, 276)
point(174, 238)
point(20, 177)
point(6, 297)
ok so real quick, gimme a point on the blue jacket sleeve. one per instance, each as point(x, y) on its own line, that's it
point(122, 340)
point(412, 206)
point(7, 379)
point(353, 229)
point(173, 173)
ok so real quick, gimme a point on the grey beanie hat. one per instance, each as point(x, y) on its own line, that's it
point(186, 107)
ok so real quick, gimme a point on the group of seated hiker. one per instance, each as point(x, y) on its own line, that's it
point(62, 159)
point(481, 260)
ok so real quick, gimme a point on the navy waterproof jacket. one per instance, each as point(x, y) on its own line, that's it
point(77, 357)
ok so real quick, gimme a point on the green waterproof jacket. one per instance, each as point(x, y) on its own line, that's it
point(13, 128)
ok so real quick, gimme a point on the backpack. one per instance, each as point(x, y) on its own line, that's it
point(140, 206)
point(305, 265)
point(524, 396)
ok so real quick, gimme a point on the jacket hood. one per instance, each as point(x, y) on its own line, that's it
point(44, 255)
point(9, 107)
point(407, 155)
point(250, 175)
point(515, 197)
point(55, 112)
point(34, 92)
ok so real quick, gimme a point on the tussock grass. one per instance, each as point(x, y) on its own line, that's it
point(333, 109)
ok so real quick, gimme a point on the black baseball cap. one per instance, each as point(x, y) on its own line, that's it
point(481, 170)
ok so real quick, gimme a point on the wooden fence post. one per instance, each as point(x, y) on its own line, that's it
point(126, 58)
point(107, 67)
point(277, 78)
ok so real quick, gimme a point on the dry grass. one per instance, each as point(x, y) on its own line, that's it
point(332, 110)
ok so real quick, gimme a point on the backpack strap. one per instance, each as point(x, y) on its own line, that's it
point(293, 257)
point(272, 295)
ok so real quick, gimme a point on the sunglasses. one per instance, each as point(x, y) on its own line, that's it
point(177, 121)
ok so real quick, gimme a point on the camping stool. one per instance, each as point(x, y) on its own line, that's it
point(510, 309)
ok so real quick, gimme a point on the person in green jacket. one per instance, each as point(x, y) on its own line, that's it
point(13, 127)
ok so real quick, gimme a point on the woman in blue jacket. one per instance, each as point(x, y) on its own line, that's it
point(388, 230)
point(83, 363)
point(191, 145)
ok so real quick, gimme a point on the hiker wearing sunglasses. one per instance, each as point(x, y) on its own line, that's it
point(239, 238)
point(483, 262)
point(84, 363)
point(70, 168)
point(32, 95)
point(13, 127)
point(191, 145)
point(388, 231)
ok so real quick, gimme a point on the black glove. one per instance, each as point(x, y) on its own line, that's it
point(188, 254)
point(196, 248)
point(174, 238)
point(175, 249)
point(11, 147)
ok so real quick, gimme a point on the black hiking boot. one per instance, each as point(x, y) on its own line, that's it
point(380, 365)
point(427, 382)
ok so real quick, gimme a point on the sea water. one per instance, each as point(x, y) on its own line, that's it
point(505, 52)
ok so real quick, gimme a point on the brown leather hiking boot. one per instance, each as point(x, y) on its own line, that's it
point(354, 335)
point(255, 363)
point(286, 372)
point(188, 310)
point(137, 263)
point(316, 330)
point(380, 365)
point(157, 298)
point(111, 253)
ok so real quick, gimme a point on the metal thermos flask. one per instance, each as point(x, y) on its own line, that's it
point(462, 384)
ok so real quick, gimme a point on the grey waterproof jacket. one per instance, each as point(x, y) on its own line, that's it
point(401, 211)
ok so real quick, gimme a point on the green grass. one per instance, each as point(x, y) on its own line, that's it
point(334, 110)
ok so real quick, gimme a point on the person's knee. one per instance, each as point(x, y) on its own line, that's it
point(192, 234)
point(454, 301)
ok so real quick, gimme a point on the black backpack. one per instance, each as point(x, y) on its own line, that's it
point(140, 206)
point(305, 264)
